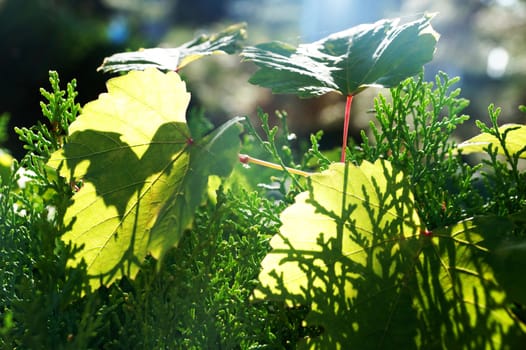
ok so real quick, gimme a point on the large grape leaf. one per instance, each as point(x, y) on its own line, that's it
point(139, 174)
point(173, 59)
point(382, 53)
point(332, 252)
point(353, 249)
point(515, 141)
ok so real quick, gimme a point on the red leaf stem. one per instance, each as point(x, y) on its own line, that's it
point(346, 126)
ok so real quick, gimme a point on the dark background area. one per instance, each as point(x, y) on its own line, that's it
point(482, 41)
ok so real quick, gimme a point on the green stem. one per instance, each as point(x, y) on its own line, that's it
point(245, 159)
point(270, 147)
point(346, 126)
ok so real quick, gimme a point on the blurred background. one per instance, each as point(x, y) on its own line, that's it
point(482, 41)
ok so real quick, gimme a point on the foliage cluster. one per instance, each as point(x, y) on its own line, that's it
point(405, 244)
point(198, 298)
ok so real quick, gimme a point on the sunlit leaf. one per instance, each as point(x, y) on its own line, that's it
point(458, 297)
point(6, 162)
point(383, 54)
point(352, 249)
point(332, 252)
point(172, 59)
point(515, 141)
point(138, 174)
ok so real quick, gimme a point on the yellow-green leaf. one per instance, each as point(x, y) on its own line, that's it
point(331, 246)
point(458, 298)
point(6, 163)
point(515, 141)
point(138, 174)
point(353, 250)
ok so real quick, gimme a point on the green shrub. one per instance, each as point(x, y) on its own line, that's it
point(405, 244)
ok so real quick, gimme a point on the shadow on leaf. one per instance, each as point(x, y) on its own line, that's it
point(353, 249)
point(138, 199)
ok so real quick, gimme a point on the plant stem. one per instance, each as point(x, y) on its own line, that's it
point(245, 159)
point(346, 126)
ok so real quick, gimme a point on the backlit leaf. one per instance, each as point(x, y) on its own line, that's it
point(340, 247)
point(382, 54)
point(138, 173)
point(173, 59)
point(515, 141)
point(6, 161)
point(458, 298)
point(353, 249)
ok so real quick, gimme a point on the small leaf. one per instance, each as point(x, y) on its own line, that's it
point(515, 141)
point(6, 163)
point(138, 174)
point(173, 59)
point(383, 53)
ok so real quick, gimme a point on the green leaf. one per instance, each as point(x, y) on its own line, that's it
point(215, 154)
point(353, 249)
point(173, 59)
point(508, 261)
point(459, 299)
point(332, 252)
point(138, 173)
point(507, 255)
point(382, 54)
point(515, 141)
point(6, 163)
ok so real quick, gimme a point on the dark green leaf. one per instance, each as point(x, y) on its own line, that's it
point(507, 254)
point(383, 53)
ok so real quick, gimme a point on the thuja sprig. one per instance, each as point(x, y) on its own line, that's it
point(269, 145)
point(60, 109)
point(504, 180)
point(314, 153)
point(413, 130)
point(4, 121)
point(501, 136)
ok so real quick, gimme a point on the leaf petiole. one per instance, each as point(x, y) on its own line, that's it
point(245, 159)
point(346, 126)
